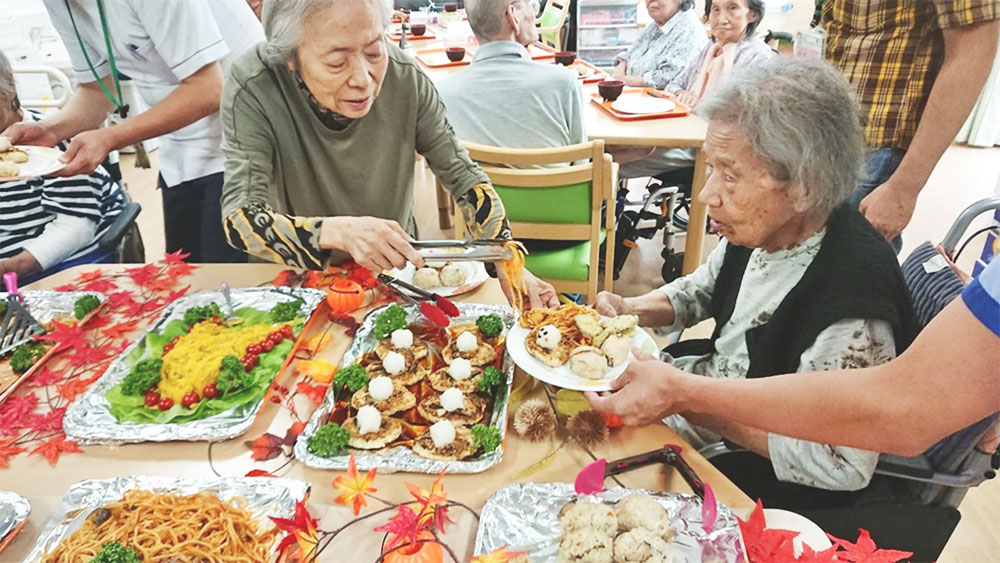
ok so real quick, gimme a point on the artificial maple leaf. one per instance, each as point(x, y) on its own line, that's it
point(285, 278)
point(293, 433)
point(100, 285)
point(432, 503)
point(8, 450)
point(320, 371)
point(65, 336)
point(865, 550)
point(354, 487)
point(264, 447)
point(142, 275)
point(53, 448)
point(301, 530)
point(347, 321)
point(177, 257)
point(316, 343)
point(98, 321)
point(175, 295)
point(259, 473)
point(315, 393)
point(120, 299)
point(66, 287)
point(51, 421)
point(19, 405)
point(120, 329)
point(43, 378)
point(90, 276)
point(152, 305)
point(826, 556)
point(162, 283)
point(70, 388)
point(402, 526)
point(314, 279)
point(498, 555)
point(86, 355)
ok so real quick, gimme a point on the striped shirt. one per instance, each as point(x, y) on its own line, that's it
point(36, 214)
point(891, 51)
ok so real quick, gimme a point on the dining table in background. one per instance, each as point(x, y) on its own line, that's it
point(44, 484)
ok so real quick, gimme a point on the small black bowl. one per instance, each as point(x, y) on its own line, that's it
point(610, 89)
point(418, 29)
point(455, 54)
point(566, 58)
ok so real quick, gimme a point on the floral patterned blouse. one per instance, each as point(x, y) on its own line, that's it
point(661, 54)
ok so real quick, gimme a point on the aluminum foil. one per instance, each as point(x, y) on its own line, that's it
point(14, 510)
point(401, 458)
point(88, 420)
point(266, 496)
point(525, 516)
point(48, 306)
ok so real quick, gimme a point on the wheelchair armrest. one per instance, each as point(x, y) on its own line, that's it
point(719, 448)
point(906, 467)
point(122, 222)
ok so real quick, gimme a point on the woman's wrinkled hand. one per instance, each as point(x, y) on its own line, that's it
point(686, 98)
point(643, 395)
point(537, 292)
point(610, 304)
point(30, 133)
point(376, 244)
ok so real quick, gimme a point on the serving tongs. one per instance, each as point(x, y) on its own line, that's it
point(668, 455)
point(489, 250)
point(437, 308)
point(17, 326)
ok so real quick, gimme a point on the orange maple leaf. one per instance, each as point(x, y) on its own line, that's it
point(320, 371)
point(7, 450)
point(301, 531)
point(430, 501)
point(121, 329)
point(316, 343)
point(55, 447)
point(498, 555)
point(354, 487)
point(90, 276)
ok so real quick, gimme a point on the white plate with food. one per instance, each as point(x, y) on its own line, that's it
point(20, 162)
point(552, 346)
point(642, 104)
point(444, 278)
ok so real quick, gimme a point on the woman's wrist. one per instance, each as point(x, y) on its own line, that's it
point(329, 233)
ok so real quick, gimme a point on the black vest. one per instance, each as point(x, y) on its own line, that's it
point(855, 275)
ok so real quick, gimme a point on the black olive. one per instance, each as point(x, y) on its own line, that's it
point(100, 516)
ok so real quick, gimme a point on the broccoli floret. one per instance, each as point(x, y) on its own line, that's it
point(353, 376)
point(195, 315)
point(285, 311)
point(25, 356)
point(392, 319)
point(84, 306)
point(233, 377)
point(490, 325)
point(114, 552)
point(143, 377)
point(328, 441)
point(491, 378)
point(486, 437)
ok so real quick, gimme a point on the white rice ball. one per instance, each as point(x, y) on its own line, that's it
point(426, 278)
point(454, 275)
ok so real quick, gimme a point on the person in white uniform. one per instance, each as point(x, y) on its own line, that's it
point(176, 53)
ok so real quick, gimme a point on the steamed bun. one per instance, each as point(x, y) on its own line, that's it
point(426, 278)
point(641, 511)
point(586, 545)
point(597, 516)
point(641, 546)
point(453, 275)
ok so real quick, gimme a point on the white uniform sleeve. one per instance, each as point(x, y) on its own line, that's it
point(691, 295)
point(90, 34)
point(848, 344)
point(62, 237)
point(184, 33)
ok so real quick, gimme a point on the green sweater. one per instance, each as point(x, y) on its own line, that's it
point(286, 169)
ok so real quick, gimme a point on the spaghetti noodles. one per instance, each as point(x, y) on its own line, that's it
point(513, 269)
point(167, 527)
point(562, 317)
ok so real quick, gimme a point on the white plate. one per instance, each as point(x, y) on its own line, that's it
point(476, 271)
point(562, 376)
point(642, 104)
point(41, 161)
point(809, 533)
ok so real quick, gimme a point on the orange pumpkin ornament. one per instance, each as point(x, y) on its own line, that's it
point(428, 551)
point(345, 295)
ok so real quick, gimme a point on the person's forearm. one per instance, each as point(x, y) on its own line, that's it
point(22, 263)
point(484, 214)
point(258, 230)
point(86, 109)
point(750, 438)
point(653, 308)
point(895, 407)
point(969, 53)
point(196, 97)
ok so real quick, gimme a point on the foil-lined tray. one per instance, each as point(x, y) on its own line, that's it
point(402, 458)
point(525, 517)
point(88, 420)
point(265, 496)
point(48, 306)
point(14, 510)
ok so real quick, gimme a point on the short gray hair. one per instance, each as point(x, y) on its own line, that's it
point(486, 17)
point(283, 21)
point(8, 89)
point(800, 117)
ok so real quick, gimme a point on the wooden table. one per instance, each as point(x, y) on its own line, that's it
point(44, 485)
point(681, 132)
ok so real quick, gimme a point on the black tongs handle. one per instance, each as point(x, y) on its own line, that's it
point(421, 293)
point(669, 455)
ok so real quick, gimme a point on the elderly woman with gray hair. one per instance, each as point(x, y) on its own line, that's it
point(801, 282)
point(321, 125)
point(47, 224)
point(664, 49)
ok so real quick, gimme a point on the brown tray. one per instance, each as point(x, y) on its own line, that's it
point(436, 58)
point(680, 111)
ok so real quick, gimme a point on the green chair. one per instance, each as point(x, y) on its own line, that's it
point(558, 203)
point(551, 23)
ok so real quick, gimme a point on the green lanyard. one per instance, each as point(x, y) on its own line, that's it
point(121, 108)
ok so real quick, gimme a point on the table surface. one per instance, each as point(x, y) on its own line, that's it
point(44, 485)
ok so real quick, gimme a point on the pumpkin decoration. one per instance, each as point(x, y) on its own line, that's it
point(428, 551)
point(345, 295)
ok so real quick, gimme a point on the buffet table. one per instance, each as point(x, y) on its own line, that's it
point(44, 484)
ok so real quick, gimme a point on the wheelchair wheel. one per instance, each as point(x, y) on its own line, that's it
point(673, 264)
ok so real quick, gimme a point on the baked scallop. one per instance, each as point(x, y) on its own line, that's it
point(442, 380)
point(472, 410)
point(413, 371)
point(481, 355)
point(400, 400)
point(586, 545)
point(387, 432)
point(642, 511)
point(594, 515)
point(461, 448)
point(417, 348)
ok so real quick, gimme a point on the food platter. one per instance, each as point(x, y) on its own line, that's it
point(264, 497)
point(41, 161)
point(483, 409)
point(526, 517)
point(475, 276)
point(116, 408)
point(14, 511)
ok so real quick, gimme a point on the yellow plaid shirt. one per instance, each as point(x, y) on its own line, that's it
point(891, 51)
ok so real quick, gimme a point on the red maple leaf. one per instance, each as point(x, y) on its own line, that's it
point(264, 447)
point(314, 392)
point(865, 550)
point(293, 433)
point(286, 278)
point(66, 287)
point(120, 299)
point(161, 283)
point(51, 421)
point(314, 279)
point(43, 378)
point(402, 526)
point(347, 321)
point(175, 295)
point(259, 473)
point(154, 304)
point(7, 450)
point(90, 276)
point(121, 329)
point(20, 405)
point(53, 448)
point(177, 257)
point(65, 336)
point(101, 285)
point(86, 354)
point(142, 275)
point(828, 555)
point(98, 321)
point(300, 530)
point(70, 388)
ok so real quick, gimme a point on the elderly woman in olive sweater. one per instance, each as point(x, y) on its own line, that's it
point(322, 122)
